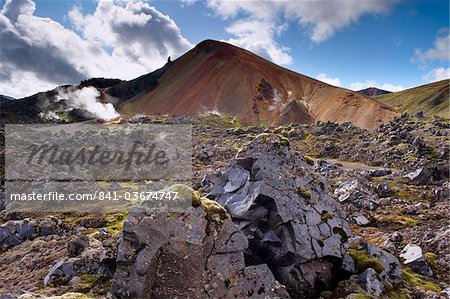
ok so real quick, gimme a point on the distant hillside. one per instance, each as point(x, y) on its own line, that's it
point(431, 99)
point(373, 92)
point(213, 77)
point(100, 82)
point(221, 78)
point(5, 98)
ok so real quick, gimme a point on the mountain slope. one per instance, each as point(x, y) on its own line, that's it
point(219, 77)
point(373, 92)
point(5, 98)
point(431, 99)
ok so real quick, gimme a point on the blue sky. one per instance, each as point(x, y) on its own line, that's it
point(392, 44)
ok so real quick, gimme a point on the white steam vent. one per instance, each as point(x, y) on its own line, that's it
point(85, 99)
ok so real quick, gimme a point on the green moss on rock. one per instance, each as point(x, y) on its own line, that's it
point(305, 193)
point(211, 207)
point(430, 256)
point(309, 160)
point(88, 281)
point(419, 281)
point(364, 261)
point(326, 294)
point(325, 216)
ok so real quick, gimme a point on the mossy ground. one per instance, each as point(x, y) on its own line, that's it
point(363, 261)
point(395, 219)
point(415, 280)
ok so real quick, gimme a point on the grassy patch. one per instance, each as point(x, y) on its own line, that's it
point(430, 256)
point(398, 293)
point(309, 160)
point(115, 222)
point(363, 261)
point(417, 280)
point(395, 219)
point(88, 281)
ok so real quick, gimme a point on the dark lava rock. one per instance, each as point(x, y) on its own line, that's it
point(14, 232)
point(2, 201)
point(380, 172)
point(414, 258)
point(77, 246)
point(286, 213)
point(359, 197)
point(86, 262)
point(196, 253)
point(361, 220)
point(371, 282)
point(383, 190)
point(430, 174)
point(392, 269)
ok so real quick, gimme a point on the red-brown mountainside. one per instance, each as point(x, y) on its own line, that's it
point(221, 78)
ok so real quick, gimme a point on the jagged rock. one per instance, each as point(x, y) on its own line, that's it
point(286, 213)
point(446, 292)
point(354, 192)
point(361, 220)
point(348, 264)
point(86, 262)
point(50, 225)
point(108, 251)
point(330, 150)
point(14, 232)
point(380, 172)
point(393, 243)
point(392, 269)
point(412, 256)
point(420, 176)
point(442, 194)
point(345, 190)
point(323, 165)
point(383, 190)
point(2, 201)
point(77, 246)
point(429, 174)
point(196, 253)
point(370, 282)
point(237, 180)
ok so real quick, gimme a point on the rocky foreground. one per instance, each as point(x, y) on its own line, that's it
point(298, 211)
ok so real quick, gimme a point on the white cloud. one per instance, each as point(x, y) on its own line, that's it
point(137, 32)
point(392, 87)
point(440, 51)
point(324, 18)
point(13, 8)
point(258, 37)
point(437, 74)
point(23, 83)
point(372, 83)
point(325, 78)
point(122, 40)
point(320, 19)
